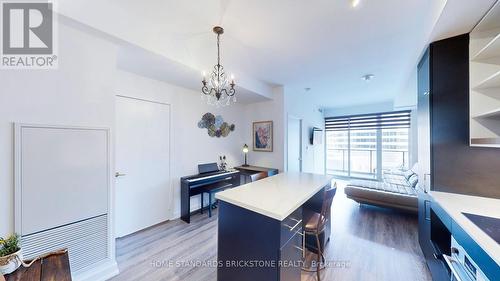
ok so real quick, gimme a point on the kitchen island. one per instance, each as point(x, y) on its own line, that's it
point(260, 226)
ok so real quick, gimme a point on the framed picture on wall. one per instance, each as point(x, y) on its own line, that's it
point(263, 136)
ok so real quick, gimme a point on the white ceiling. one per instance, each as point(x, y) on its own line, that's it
point(142, 62)
point(459, 17)
point(323, 44)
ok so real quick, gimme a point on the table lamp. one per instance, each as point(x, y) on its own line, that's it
point(245, 151)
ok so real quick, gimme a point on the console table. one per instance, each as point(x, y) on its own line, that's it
point(255, 169)
point(51, 267)
point(246, 171)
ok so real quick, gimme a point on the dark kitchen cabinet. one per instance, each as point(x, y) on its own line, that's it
point(442, 90)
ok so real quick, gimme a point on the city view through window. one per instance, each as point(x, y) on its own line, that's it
point(366, 153)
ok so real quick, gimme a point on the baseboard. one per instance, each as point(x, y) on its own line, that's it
point(176, 215)
point(101, 272)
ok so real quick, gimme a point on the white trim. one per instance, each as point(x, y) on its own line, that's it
point(17, 178)
point(18, 164)
point(105, 271)
point(112, 268)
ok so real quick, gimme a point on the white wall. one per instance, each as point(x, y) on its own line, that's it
point(299, 105)
point(190, 144)
point(407, 99)
point(286, 102)
point(82, 93)
point(78, 93)
point(272, 110)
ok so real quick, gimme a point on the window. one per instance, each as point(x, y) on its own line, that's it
point(337, 152)
point(395, 148)
point(358, 145)
point(363, 150)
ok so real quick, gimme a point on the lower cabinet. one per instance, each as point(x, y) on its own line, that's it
point(432, 238)
point(290, 257)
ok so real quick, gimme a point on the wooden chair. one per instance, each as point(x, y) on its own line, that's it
point(317, 223)
point(258, 176)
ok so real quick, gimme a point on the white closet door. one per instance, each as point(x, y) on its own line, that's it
point(143, 156)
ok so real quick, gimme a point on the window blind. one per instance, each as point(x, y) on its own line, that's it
point(395, 119)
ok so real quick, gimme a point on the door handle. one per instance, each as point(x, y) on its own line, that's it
point(454, 272)
point(117, 174)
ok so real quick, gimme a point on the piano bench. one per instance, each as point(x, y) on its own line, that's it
point(211, 190)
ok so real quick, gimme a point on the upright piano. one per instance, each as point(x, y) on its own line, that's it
point(208, 178)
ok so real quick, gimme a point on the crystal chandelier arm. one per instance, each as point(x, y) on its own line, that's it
point(205, 89)
point(232, 91)
point(229, 93)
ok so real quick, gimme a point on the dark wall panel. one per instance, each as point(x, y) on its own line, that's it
point(457, 167)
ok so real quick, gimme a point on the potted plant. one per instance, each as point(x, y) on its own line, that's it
point(10, 254)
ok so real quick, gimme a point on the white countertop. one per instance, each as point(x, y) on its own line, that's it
point(277, 196)
point(455, 204)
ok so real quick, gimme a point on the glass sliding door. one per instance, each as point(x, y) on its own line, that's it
point(363, 150)
point(395, 148)
point(337, 149)
point(364, 146)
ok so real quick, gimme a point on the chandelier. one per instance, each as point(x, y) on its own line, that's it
point(218, 90)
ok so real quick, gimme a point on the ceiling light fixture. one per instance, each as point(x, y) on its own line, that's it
point(367, 77)
point(355, 3)
point(219, 90)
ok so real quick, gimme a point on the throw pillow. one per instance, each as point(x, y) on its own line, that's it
point(413, 180)
point(408, 174)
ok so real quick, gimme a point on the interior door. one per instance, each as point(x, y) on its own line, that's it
point(294, 153)
point(143, 192)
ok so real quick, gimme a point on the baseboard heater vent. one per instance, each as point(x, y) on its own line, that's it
point(86, 241)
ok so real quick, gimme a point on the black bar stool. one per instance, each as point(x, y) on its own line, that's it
point(316, 226)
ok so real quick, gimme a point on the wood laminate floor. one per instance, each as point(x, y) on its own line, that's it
point(367, 243)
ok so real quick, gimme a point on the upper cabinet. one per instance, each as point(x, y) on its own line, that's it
point(484, 54)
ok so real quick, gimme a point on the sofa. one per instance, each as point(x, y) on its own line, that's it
point(397, 190)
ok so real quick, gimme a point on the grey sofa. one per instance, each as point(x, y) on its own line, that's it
point(397, 190)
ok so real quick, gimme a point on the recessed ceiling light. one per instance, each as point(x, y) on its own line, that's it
point(355, 3)
point(367, 77)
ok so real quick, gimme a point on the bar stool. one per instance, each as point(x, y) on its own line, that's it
point(316, 226)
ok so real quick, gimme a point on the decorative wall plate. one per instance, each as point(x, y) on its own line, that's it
point(215, 125)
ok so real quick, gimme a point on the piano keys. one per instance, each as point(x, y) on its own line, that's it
point(209, 178)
